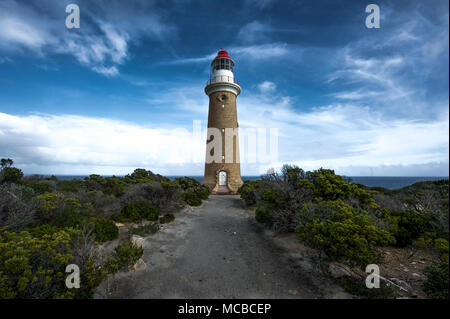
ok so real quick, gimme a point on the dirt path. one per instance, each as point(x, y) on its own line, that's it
point(218, 250)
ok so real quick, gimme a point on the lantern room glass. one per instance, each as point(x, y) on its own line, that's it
point(222, 64)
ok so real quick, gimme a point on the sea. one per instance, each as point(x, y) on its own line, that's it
point(389, 182)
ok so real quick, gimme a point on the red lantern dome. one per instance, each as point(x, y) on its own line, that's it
point(222, 54)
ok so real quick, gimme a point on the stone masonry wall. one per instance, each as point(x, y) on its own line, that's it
point(223, 114)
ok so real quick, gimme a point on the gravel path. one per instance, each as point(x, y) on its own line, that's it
point(218, 250)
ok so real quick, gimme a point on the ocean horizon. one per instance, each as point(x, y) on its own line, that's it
point(389, 182)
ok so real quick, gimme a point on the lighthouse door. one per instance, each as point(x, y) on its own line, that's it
point(222, 178)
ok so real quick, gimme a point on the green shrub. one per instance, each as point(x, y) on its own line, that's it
point(441, 245)
point(60, 211)
point(202, 191)
point(342, 232)
point(108, 185)
point(34, 267)
point(262, 215)
point(138, 210)
point(191, 198)
point(10, 175)
point(193, 191)
point(358, 288)
point(126, 255)
point(187, 182)
point(42, 186)
point(104, 229)
point(33, 264)
point(145, 229)
point(26, 191)
point(141, 175)
point(45, 229)
point(305, 184)
point(170, 187)
point(274, 199)
point(71, 186)
point(329, 186)
point(292, 174)
point(167, 218)
point(248, 192)
point(113, 186)
point(436, 284)
point(407, 225)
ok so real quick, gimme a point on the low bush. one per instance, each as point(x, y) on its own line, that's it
point(33, 263)
point(125, 255)
point(407, 225)
point(436, 284)
point(104, 229)
point(274, 199)
point(441, 245)
point(262, 215)
point(187, 182)
point(70, 186)
point(41, 186)
point(10, 175)
point(163, 195)
point(145, 229)
point(139, 210)
point(191, 198)
point(342, 232)
point(17, 212)
point(170, 192)
point(46, 224)
point(248, 192)
point(34, 267)
point(329, 186)
point(358, 288)
point(202, 192)
point(167, 218)
point(193, 191)
point(141, 175)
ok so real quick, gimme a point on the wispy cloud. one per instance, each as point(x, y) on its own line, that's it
point(267, 87)
point(255, 52)
point(99, 45)
point(253, 32)
point(392, 71)
point(181, 60)
point(262, 51)
point(261, 4)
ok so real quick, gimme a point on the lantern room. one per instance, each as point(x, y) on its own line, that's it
point(222, 62)
point(222, 68)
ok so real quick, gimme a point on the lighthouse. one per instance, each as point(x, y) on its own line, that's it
point(222, 165)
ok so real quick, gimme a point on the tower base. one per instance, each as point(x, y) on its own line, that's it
point(233, 178)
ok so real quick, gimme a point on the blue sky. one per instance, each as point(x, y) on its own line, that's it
point(123, 90)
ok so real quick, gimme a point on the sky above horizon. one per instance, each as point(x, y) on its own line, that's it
point(126, 89)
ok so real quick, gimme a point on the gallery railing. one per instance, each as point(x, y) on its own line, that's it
point(222, 78)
